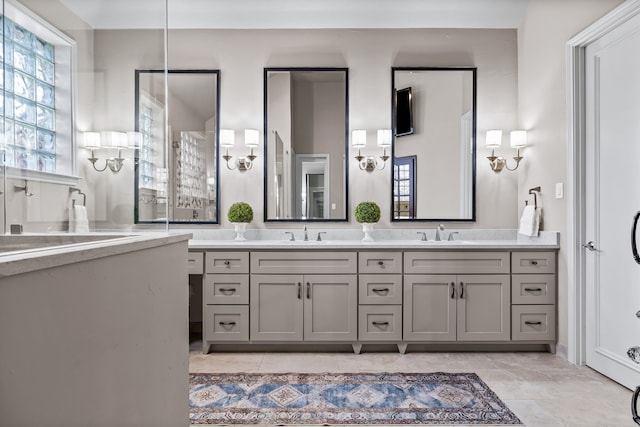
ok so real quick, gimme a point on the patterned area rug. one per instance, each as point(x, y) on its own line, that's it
point(330, 399)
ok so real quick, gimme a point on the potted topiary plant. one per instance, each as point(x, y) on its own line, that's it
point(240, 214)
point(367, 213)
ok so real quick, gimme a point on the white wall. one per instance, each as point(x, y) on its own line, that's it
point(542, 111)
point(369, 55)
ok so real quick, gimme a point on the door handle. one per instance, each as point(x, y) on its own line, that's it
point(299, 290)
point(461, 290)
point(589, 245)
point(453, 290)
point(308, 290)
point(634, 246)
point(634, 405)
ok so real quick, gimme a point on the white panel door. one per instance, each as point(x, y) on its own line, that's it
point(612, 199)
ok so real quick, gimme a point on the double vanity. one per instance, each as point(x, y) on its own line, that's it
point(492, 288)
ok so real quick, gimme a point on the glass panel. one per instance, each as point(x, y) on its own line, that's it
point(8, 52)
point(26, 159)
point(46, 141)
point(24, 85)
point(46, 162)
point(46, 118)
point(44, 94)
point(25, 110)
point(24, 60)
point(25, 136)
point(44, 49)
point(23, 37)
point(45, 70)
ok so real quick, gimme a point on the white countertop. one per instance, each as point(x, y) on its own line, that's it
point(469, 239)
point(23, 261)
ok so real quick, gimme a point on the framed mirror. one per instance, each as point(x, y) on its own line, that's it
point(306, 113)
point(177, 181)
point(434, 143)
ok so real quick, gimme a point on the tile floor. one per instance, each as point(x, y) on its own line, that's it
point(543, 389)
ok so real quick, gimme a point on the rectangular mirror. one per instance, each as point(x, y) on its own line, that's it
point(306, 132)
point(433, 154)
point(182, 183)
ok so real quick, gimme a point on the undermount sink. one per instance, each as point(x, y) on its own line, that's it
point(302, 242)
point(448, 242)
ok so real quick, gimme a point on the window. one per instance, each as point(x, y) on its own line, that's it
point(404, 187)
point(36, 104)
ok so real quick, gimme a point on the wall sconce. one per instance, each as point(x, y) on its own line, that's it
point(251, 140)
point(494, 139)
point(111, 140)
point(370, 163)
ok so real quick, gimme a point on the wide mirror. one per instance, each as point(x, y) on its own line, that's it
point(183, 182)
point(434, 122)
point(306, 116)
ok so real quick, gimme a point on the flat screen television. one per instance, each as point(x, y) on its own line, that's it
point(404, 112)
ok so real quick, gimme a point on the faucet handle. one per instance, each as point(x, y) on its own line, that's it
point(292, 239)
point(451, 235)
point(424, 236)
point(320, 233)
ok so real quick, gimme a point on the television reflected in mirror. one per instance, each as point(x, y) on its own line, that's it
point(404, 112)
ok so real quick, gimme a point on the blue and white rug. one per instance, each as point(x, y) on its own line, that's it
point(330, 399)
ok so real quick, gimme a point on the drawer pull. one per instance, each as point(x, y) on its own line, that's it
point(530, 322)
point(533, 289)
point(227, 323)
point(380, 323)
point(227, 263)
point(380, 290)
point(228, 290)
point(381, 263)
point(534, 262)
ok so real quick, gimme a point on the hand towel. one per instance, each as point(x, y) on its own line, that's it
point(530, 221)
point(78, 220)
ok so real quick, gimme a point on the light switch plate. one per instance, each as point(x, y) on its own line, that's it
point(559, 190)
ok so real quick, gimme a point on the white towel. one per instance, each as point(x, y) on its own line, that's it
point(78, 220)
point(530, 221)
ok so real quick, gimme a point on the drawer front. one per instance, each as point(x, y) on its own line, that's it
point(195, 262)
point(226, 289)
point(303, 262)
point(380, 262)
point(226, 322)
point(533, 322)
point(226, 262)
point(438, 262)
point(380, 289)
point(533, 262)
point(380, 323)
point(533, 289)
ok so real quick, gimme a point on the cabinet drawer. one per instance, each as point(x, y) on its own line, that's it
point(226, 289)
point(303, 262)
point(227, 262)
point(195, 262)
point(533, 322)
point(533, 289)
point(226, 323)
point(380, 323)
point(456, 262)
point(380, 262)
point(533, 262)
point(380, 289)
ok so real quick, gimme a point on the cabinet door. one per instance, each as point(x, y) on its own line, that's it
point(484, 307)
point(429, 312)
point(276, 307)
point(330, 308)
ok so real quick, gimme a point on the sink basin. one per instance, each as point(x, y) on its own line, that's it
point(303, 243)
point(448, 242)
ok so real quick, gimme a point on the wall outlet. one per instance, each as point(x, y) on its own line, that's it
point(559, 190)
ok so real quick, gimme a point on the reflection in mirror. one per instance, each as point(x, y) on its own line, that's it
point(183, 183)
point(434, 121)
point(306, 113)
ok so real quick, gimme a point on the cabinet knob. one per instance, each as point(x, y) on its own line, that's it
point(380, 263)
point(534, 262)
point(227, 263)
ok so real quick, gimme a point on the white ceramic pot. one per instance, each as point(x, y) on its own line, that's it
point(367, 228)
point(240, 228)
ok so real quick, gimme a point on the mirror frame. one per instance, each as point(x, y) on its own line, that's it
point(216, 73)
point(346, 141)
point(474, 71)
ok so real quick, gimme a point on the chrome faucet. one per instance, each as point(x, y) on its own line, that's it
point(306, 236)
point(319, 238)
point(439, 228)
point(451, 235)
point(424, 236)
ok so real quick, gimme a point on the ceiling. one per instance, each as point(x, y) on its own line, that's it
point(300, 14)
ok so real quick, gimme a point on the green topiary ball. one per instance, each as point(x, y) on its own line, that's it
point(240, 212)
point(367, 212)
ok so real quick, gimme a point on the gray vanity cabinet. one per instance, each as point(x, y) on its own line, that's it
point(291, 307)
point(457, 307)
